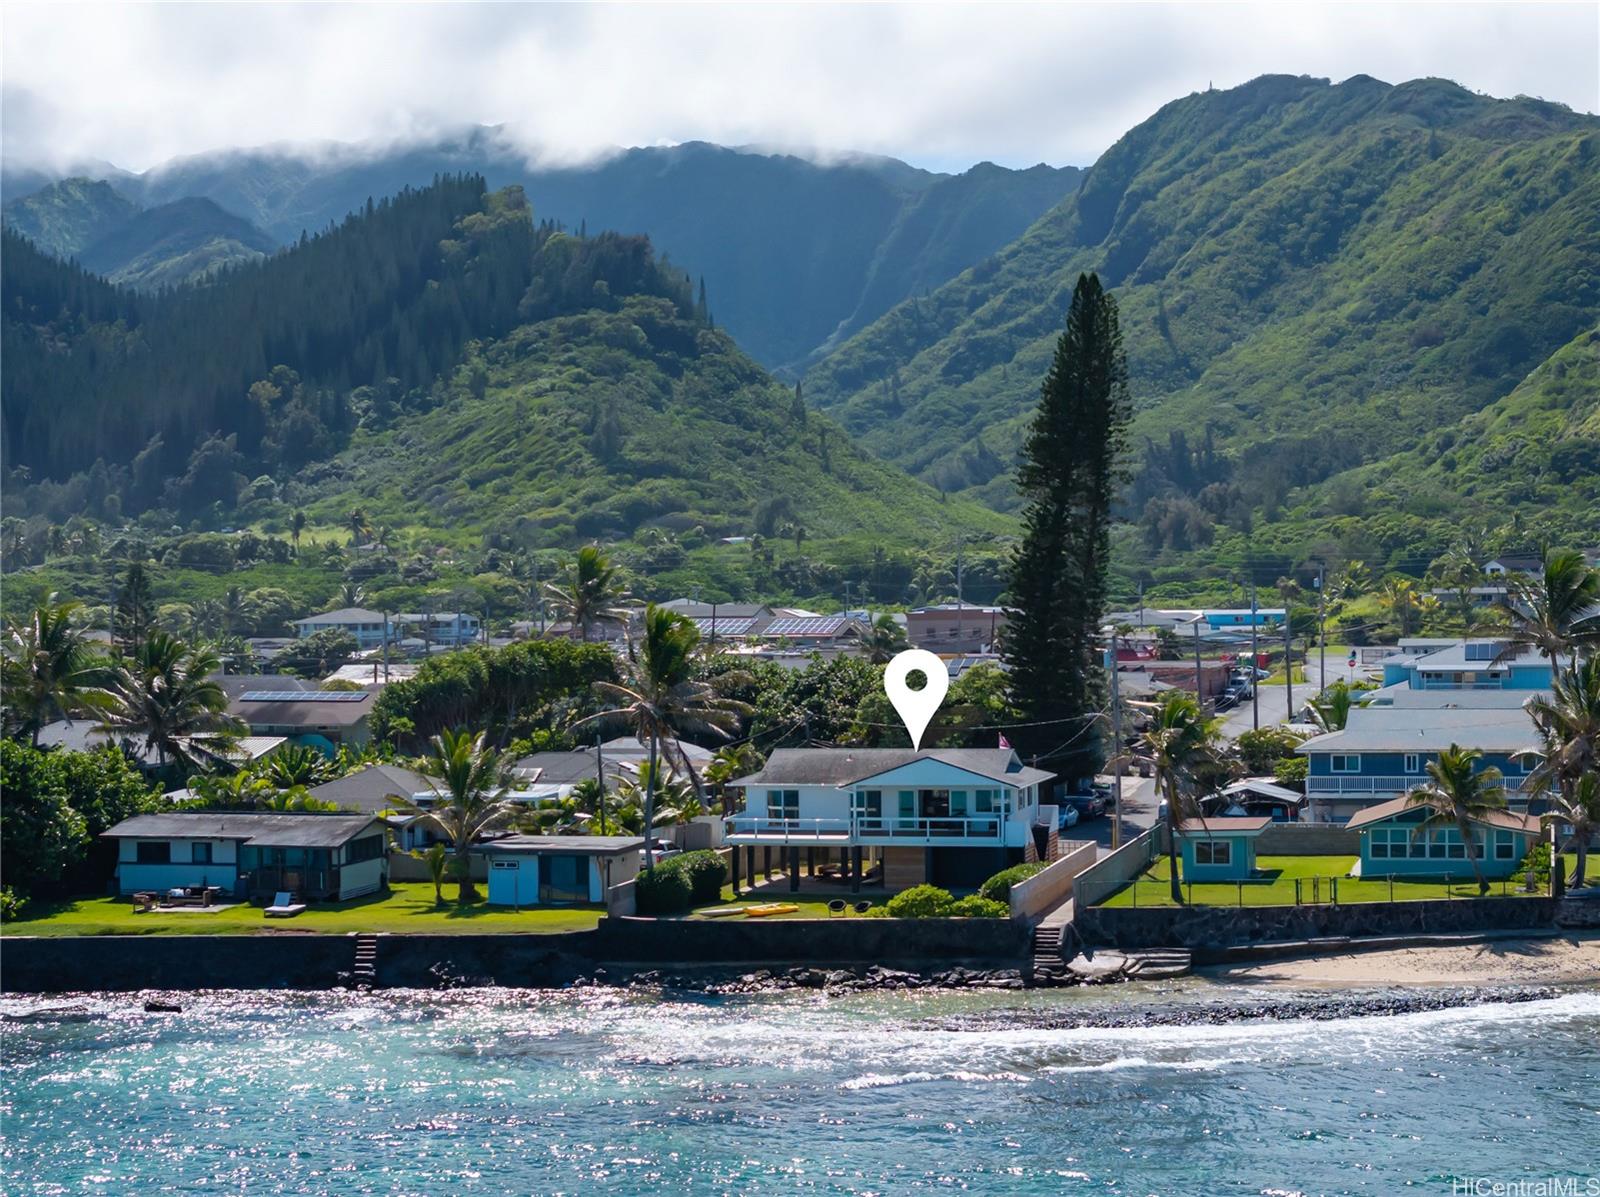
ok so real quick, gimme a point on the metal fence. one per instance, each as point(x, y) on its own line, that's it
point(1300, 891)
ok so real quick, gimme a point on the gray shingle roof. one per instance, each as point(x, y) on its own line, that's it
point(343, 615)
point(265, 829)
point(576, 845)
point(845, 766)
point(369, 789)
point(303, 714)
point(1399, 806)
point(1414, 729)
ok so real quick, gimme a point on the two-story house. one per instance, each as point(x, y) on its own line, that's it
point(452, 628)
point(1383, 752)
point(949, 816)
point(1465, 665)
point(368, 627)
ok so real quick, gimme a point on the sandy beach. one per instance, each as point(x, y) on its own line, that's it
point(1572, 958)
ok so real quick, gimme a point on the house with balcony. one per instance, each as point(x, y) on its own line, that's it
point(450, 628)
point(946, 816)
point(370, 628)
point(1466, 665)
point(1383, 752)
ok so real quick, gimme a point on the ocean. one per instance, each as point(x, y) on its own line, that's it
point(495, 1091)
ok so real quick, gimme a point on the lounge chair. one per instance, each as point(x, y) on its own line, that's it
point(863, 907)
point(284, 906)
point(836, 907)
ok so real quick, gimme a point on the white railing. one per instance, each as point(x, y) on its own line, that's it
point(1323, 784)
point(866, 829)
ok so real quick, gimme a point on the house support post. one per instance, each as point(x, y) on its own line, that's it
point(733, 867)
point(855, 870)
point(794, 870)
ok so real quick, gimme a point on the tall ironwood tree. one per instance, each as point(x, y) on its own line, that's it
point(1072, 465)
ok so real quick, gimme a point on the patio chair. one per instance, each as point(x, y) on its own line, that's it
point(837, 907)
point(862, 907)
point(283, 906)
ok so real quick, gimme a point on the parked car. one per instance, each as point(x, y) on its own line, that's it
point(1225, 701)
point(1068, 817)
point(663, 849)
point(1088, 806)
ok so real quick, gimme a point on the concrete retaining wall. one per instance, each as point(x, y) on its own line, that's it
point(1047, 889)
point(1110, 873)
point(1308, 839)
point(918, 943)
point(1210, 927)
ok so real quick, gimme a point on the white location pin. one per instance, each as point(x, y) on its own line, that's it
point(916, 707)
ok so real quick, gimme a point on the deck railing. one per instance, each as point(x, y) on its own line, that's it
point(1324, 784)
point(868, 829)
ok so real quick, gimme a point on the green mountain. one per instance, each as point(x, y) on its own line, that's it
point(146, 249)
point(67, 217)
point(795, 254)
point(450, 368)
point(1311, 276)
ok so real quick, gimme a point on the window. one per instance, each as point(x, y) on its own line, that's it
point(1213, 852)
point(869, 804)
point(1413, 762)
point(984, 800)
point(368, 847)
point(1378, 845)
point(783, 804)
point(201, 852)
point(504, 864)
point(958, 802)
point(1505, 846)
point(153, 852)
point(1344, 763)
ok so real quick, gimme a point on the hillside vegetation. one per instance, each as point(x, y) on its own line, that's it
point(1311, 277)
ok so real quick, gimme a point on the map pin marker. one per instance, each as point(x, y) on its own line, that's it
point(916, 707)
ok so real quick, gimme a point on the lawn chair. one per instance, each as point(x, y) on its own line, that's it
point(863, 907)
point(837, 907)
point(143, 902)
point(283, 906)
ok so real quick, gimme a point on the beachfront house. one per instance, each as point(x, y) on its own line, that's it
point(949, 816)
point(543, 870)
point(317, 857)
point(1383, 752)
point(1221, 848)
point(368, 627)
point(1398, 839)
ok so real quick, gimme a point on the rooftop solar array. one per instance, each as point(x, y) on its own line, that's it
point(304, 696)
point(726, 625)
point(805, 625)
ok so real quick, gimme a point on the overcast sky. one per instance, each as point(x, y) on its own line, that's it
point(939, 86)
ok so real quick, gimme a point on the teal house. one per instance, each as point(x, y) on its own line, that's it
point(1399, 840)
point(1220, 849)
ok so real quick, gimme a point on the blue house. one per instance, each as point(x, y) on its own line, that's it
point(1465, 665)
point(1401, 840)
point(1383, 753)
point(1221, 848)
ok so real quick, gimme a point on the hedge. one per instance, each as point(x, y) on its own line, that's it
point(998, 887)
point(662, 890)
point(974, 907)
point(706, 871)
point(919, 902)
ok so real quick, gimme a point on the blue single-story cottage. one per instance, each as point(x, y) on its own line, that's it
point(1221, 848)
point(540, 870)
point(1399, 839)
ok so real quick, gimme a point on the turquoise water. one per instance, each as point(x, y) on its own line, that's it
point(508, 1092)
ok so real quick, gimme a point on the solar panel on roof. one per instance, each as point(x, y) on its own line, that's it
point(304, 696)
point(804, 625)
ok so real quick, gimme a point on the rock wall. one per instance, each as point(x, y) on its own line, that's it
point(1201, 927)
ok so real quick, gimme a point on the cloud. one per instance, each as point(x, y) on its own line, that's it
point(943, 86)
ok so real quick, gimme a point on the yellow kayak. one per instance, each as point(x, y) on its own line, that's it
point(761, 912)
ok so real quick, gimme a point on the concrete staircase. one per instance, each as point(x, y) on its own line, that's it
point(365, 970)
point(1152, 964)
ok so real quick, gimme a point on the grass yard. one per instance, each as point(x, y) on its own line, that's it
point(1274, 885)
point(811, 906)
point(407, 907)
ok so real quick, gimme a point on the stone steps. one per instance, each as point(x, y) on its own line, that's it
point(365, 968)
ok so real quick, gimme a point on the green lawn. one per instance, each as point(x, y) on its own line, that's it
point(407, 907)
point(811, 906)
point(1274, 885)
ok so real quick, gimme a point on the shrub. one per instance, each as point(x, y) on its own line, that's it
point(663, 890)
point(1537, 859)
point(876, 912)
point(920, 902)
point(706, 872)
point(998, 887)
point(975, 907)
point(12, 904)
point(1263, 748)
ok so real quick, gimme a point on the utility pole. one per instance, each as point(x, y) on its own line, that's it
point(1116, 753)
point(1199, 690)
point(961, 572)
point(1255, 656)
point(600, 776)
point(1141, 606)
point(1288, 662)
point(385, 615)
point(713, 627)
point(1322, 629)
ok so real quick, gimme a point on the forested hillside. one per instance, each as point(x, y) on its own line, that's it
point(1312, 277)
point(442, 364)
point(793, 252)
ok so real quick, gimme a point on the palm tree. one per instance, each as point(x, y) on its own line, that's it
point(165, 695)
point(589, 796)
point(1330, 710)
point(50, 670)
point(1558, 612)
point(1179, 748)
point(591, 591)
point(360, 527)
point(1458, 792)
point(732, 761)
point(470, 781)
point(663, 698)
point(437, 858)
point(1399, 598)
point(298, 765)
point(1568, 722)
point(1581, 814)
point(297, 525)
point(885, 639)
point(350, 595)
